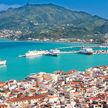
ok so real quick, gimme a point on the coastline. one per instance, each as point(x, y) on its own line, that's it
point(30, 63)
point(56, 41)
point(51, 89)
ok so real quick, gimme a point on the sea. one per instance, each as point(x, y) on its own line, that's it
point(19, 68)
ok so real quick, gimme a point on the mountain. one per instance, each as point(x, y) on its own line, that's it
point(51, 21)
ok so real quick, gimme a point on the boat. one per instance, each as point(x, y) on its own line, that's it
point(2, 62)
point(34, 53)
point(88, 51)
point(54, 52)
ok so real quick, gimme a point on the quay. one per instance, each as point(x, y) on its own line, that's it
point(68, 52)
point(95, 52)
point(79, 46)
point(84, 46)
point(73, 51)
point(101, 52)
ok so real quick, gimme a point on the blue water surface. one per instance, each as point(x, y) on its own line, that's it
point(18, 68)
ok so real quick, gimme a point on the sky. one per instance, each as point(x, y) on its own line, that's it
point(94, 7)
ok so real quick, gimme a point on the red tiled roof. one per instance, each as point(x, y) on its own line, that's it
point(15, 90)
point(2, 82)
point(84, 84)
point(94, 98)
point(29, 97)
point(3, 105)
point(68, 73)
point(72, 70)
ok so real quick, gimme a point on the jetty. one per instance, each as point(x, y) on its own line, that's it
point(79, 47)
point(95, 51)
point(75, 52)
point(100, 52)
point(64, 52)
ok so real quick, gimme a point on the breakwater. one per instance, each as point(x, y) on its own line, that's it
point(101, 52)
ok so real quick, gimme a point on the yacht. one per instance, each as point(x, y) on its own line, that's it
point(54, 52)
point(88, 51)
point(2, 62)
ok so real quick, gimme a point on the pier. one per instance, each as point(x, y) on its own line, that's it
point(79, 47)
point(100, 52)
point(74, 52)
point(64, 52)
point(95, 52)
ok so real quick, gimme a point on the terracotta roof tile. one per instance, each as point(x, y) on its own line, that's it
point(29, 97)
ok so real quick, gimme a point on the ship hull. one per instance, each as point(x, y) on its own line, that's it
point(3, 62)
point(53, 54)
point(86, 53)
point(32, 55)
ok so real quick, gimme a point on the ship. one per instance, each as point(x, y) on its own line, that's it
point(2, 62)
point(34, 53)
point(88, 51)
point(54, 52)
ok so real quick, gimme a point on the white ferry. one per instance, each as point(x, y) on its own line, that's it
point(88, 51)
point(54, 52)
point(35, 53)
point(2, 62)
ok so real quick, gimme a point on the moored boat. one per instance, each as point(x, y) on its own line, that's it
point(54, 52)
point(88, 51)
point(34, 53)
point(3, 62)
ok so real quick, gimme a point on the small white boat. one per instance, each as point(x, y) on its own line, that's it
point(2, 62)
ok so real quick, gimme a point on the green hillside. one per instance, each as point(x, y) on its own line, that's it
point(51, 21)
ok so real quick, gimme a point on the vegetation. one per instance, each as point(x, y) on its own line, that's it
point(52, 21)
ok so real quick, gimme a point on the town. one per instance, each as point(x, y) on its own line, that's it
point(60, 89)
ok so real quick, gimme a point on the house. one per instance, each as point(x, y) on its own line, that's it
point(27, 100)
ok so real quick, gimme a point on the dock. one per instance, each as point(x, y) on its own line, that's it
point(74, 52)
point(100, 52)
point(64, 52)
point(84, 46)
point(79, 47)
point(95, 52)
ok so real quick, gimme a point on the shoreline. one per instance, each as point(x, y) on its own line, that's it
point(52, 41)
point(53, 72)
point(69, 88)
point(48, 41)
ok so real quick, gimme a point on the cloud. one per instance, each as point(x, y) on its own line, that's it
point(5, 6)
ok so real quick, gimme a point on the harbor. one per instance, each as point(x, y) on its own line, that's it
point(67, 58)
point(95, 52)
point(55, 52)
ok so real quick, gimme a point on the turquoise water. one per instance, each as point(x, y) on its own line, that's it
point(18, 68)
